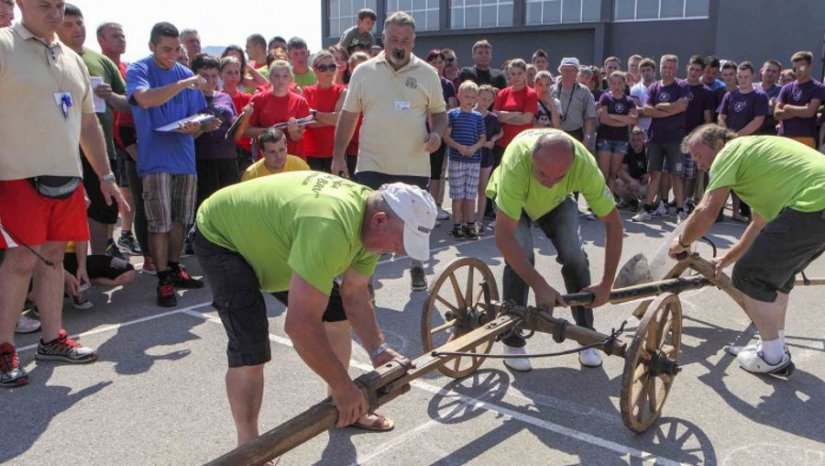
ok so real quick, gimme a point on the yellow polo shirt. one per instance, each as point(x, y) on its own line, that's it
point(35, 137)
point(395, 105)
point(258, 169)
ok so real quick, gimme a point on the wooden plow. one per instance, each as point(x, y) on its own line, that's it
point(463, 317)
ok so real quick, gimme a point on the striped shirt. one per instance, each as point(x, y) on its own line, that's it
point(466, 128)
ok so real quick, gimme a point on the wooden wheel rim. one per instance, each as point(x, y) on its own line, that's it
point(643, 395)
point(457, 289)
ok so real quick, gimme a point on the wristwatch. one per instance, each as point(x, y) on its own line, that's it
point(108, 177)
point(379, 351)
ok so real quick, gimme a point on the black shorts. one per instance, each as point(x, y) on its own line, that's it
point(437, 162)
point(128, 135)
point(487, 157)
point(320, 164)
point(97, 210)
point(236, 295)
point(784, 248)
point(98, 266)
point(375, 180)
point(120, 167)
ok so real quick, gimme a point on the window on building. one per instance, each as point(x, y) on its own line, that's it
point(471, 14)
point(641, 10)
point(343, 14)
point(424, 12)
point(563, 11)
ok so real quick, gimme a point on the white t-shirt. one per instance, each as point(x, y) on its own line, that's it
point(639, 95)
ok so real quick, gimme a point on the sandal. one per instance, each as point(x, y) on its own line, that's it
point(380, 424)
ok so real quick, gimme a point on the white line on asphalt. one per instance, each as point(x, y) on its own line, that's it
point(115, 327)
point(392, 444)
point(477, 403)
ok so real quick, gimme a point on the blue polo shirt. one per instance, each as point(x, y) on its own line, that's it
point(162, 152)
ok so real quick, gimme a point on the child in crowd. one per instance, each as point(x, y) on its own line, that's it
point(493, 132)
point(617, 112)
point(465, 136)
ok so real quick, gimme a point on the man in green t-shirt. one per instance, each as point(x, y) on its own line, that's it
point(112, 90)
point(540, 170)
point(784, 183)
point(292, 234)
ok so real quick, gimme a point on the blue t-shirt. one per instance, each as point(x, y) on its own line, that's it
point(163, 152)
point(466, 128)
point(740, 109)
point(614, 106)
point(669, 129)
point(800, 95)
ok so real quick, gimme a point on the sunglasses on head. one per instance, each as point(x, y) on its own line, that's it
point(325, 68)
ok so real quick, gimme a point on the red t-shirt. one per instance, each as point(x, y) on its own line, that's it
point(319, 142)
point(508, 100)
point(123, 118)
point(240, 100)
point(270, 110)
point(267, 87)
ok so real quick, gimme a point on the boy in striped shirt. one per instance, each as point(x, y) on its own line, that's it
point(465, 136)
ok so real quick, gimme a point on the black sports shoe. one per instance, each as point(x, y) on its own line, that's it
point(458, 232)
point(470, 232)
point(166, 292)
point(182, 279)
point(112, 250)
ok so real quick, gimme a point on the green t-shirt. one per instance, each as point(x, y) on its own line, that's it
point(102, 66)
point(514, 187)
point(305, 79)
point(771, 173)
point(304, 222)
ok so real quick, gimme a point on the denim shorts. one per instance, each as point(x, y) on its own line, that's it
point(783, 248)
point(612, 145)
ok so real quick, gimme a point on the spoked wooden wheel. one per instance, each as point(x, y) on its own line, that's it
point(651, 363)
point(458, 303)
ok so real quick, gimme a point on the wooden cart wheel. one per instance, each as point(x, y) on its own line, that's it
point(458, 304)
point(651, 363)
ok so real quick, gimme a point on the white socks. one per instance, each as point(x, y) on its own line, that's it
point(773, 350)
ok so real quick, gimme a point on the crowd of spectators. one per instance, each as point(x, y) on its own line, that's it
point(276, 106)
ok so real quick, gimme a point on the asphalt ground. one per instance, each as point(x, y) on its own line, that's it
point(157, 396)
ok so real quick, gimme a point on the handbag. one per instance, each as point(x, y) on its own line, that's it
point(55, 187)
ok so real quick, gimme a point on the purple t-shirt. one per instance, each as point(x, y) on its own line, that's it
point(212, 144)
point(620, 106)
point(740, 109)
point(669, 129)
point(447, 88)
point(701, 99)
point(800, 95)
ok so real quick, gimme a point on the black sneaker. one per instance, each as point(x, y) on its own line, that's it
point(458, 232)
point(182, 279)
point(11, 374)
point(129, 245)
point(166, 292)
point(470, 232)
point(112, 250)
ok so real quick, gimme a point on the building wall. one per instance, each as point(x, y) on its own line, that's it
point(760, 29)
point(655, 38)
point(507, 45)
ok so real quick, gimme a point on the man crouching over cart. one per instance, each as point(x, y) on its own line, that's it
point(292, 234)
point(784, 183)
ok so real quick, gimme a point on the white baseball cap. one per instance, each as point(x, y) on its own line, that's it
point(418, 211)
point(573, 61)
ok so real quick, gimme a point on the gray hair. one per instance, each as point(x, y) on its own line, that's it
point(707, 134)
point(400, 18)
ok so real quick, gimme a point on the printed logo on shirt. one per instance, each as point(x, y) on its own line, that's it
point(620, 107)
point(738, 107)
point(664, 97)
point(690, 96)
point(411, 83)
point(797, 94)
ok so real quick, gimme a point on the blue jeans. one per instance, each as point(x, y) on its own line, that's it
point(561, 225)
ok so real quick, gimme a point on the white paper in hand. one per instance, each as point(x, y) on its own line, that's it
point(100, 104)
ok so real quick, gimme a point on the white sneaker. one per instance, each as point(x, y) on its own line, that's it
point(442, 214)
point(754, 363)
point(590, 358)
point(26, 324)
point(642, 216)
point(751, 348)
point(517, 364)
point(662, 210)
point(681, 216)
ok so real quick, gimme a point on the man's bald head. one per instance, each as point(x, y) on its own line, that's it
point(553, 155)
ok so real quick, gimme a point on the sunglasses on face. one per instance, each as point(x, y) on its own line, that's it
point(325, 68)
point(450, 60)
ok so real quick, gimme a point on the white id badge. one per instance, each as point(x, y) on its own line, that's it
point(402, 105)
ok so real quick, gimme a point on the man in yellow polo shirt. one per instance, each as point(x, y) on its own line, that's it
point(292, 235)
point(539, 172)
point(274, 157)
point(397, 93)
point(784, 183)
